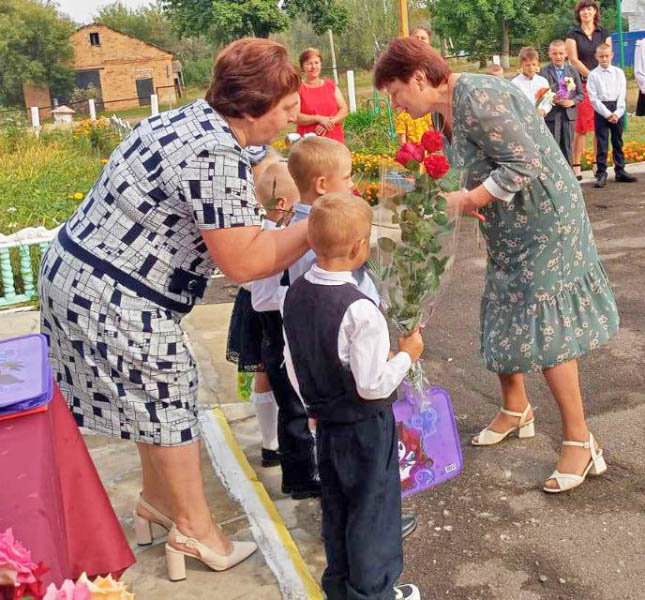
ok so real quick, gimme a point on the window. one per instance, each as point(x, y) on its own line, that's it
point(94, 39)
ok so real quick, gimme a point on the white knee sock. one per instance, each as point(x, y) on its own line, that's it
point(266, 411)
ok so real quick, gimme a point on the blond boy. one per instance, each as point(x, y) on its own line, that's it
point(607, 87)
point(529, 81)
point(337, 353)
point(318, 166)
point(565, 81)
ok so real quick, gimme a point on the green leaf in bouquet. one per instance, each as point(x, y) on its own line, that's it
point(397, 200)
point(386, 245)
point(442, 204)
point(395, 219)
point(414, 199)
point(441, 218)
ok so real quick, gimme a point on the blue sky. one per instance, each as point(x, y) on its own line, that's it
point(82, 11)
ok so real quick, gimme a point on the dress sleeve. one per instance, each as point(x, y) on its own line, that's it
point(498, 121)
point(218, 184)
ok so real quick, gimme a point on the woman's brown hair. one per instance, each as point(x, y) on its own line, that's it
point(307, 53)
point(403, 57)
point(250, 77)
point(584, 4)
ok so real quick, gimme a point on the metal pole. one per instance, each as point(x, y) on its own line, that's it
point(404, 29)
point(333, 55)
point(621, 49)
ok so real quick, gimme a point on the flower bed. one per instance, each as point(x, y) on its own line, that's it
point(634, 152)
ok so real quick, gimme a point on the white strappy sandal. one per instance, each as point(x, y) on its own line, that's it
point(568, 481)
point(525, 429)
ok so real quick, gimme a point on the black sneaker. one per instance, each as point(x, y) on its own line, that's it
point(406, 592)
point(624, 177)
point(270, 458)
point(601, 180)
point(408, 524)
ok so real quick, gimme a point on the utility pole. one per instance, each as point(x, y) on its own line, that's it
point(333, 55)
point(404, 29)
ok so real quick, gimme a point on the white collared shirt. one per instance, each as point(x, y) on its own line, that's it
point(363, 343)
point(607, 85)
point(530, 87)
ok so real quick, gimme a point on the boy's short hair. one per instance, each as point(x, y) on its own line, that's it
point(276, 182)
point(603, 47)
point(336, 222)
point(495, 69)
point(557, 43)
point(312, 157)
point(528, 53)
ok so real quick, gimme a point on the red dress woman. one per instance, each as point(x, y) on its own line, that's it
point(322, 106)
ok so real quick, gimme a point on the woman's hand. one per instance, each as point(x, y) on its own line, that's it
point(458, 202)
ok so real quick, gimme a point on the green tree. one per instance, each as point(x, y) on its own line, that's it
point(484, 27)
point(34, 45)
point(226, 20)
point(147, 23)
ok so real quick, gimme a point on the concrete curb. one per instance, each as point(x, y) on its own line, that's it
point(269, 530)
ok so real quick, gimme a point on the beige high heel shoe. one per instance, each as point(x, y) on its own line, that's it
point(568, 481)
point(525, 429)
point(147, 530)
point(176, 559)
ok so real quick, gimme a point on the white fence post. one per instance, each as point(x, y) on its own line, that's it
point(35, 119)
point(154, 105)
point(351, 91)
point(92, 109)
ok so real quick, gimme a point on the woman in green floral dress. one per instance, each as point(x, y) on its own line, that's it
point(547, 300)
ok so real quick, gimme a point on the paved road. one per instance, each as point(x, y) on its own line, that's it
point(490, 533)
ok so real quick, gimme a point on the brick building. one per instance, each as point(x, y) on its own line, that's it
point(126, 70)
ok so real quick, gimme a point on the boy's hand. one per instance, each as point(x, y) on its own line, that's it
point(613, 118)
point(412, 344)
point(567, 103)
point(312, 425)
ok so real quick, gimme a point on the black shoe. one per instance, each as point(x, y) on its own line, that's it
point(601, 180)
point(302, 492)
point(270, 458)
point(623, 177)
point(406, 592)
point(408, 524)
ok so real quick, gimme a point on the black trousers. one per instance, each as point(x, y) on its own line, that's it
point(296, 443)
point(603, 130)
point(563, 131)
point(361, 507)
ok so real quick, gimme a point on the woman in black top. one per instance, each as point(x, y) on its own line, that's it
point(581, 44)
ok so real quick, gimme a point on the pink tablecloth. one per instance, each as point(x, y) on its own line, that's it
point(52, 497)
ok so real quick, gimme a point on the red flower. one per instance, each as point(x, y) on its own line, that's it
point(436, 165)
point(408, 152)
point(432, 142)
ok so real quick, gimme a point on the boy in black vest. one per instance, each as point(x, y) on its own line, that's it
point(338, 357)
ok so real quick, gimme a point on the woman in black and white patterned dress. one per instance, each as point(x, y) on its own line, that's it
point(175, 201)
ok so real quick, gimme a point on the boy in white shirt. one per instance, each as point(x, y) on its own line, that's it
point(337, 352)
point(607, 89)
point(530, 82)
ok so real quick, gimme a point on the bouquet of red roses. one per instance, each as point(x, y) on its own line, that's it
point(416, 236)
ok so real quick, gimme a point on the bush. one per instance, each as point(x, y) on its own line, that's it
point(197, 73)
point(369, 133)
